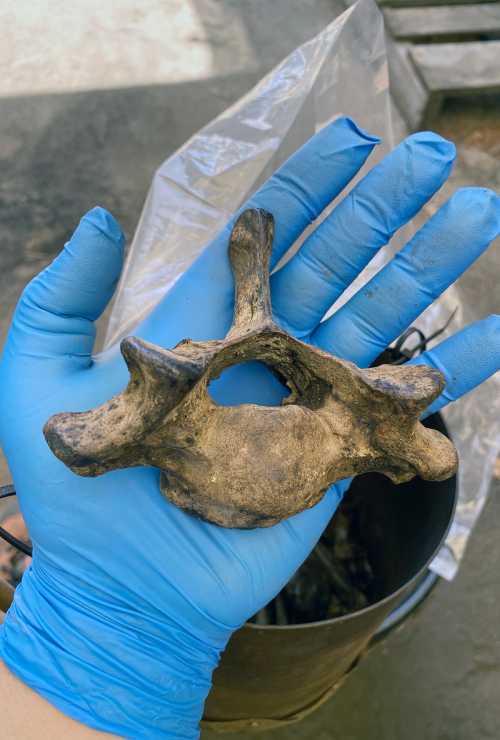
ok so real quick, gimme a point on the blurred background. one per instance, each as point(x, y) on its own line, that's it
point(94, 96)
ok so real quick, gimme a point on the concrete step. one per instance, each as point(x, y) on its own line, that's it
point(422, 3)
point(417, 24)
point(458, 68)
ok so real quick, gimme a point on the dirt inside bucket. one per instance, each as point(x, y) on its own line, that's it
point(336, 579)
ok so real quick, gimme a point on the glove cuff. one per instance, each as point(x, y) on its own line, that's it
point(107, 665)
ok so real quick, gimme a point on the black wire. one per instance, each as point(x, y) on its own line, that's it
point(19, 544)
point(406, 355)
point(7, 491)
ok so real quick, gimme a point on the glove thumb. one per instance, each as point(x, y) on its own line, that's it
point(55, 316)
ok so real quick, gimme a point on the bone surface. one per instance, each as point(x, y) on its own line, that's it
point(250, 465)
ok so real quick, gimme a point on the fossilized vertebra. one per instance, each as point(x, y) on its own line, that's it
point(251, 465)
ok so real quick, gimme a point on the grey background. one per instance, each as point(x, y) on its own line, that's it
point(95, 135)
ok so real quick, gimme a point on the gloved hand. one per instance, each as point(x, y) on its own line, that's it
point(129, 601)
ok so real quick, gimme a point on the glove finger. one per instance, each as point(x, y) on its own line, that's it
point(55, 314)
point(387, 198)
point(296, 194)
point(433, 259)
point(466, 359)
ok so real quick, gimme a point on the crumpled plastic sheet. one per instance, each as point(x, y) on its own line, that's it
point(342, 71)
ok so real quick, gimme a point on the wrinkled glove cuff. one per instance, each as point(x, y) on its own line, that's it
point(108, 666)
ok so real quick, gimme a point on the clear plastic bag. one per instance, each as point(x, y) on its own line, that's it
point(342, 71)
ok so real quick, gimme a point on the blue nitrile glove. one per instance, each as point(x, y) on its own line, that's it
point(121, 618)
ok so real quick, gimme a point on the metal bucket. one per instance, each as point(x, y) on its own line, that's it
point(270, 676)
